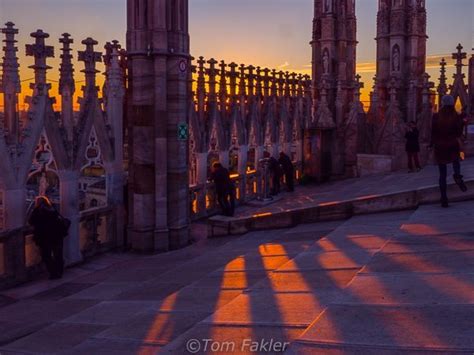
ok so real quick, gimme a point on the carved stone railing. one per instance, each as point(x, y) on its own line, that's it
point(236, 114)
point(248, 187)
point(74, 158)
point(20, 259)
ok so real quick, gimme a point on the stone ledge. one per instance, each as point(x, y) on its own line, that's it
point(219, 226)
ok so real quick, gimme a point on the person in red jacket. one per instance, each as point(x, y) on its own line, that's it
point(446, 136)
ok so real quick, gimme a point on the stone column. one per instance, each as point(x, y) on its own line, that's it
point(142, 135)
point(179, 61)
point(159, 61)
point(115, 92)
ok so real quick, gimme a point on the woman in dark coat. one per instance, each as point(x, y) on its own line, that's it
point(446, 135)
point(412, 147)
point(224, 189)
point(45, 220)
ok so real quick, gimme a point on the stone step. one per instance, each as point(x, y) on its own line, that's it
point(337, 210)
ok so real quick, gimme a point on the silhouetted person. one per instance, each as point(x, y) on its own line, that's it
point(446, 135)
point(224, 189)
point(288, 170)
point(47, 236)
point(275, 173)
point(412, 147)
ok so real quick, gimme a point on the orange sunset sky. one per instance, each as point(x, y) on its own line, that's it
point(271, 33)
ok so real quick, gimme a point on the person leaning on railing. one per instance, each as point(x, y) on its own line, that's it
point(225, 189)
point(48, 235)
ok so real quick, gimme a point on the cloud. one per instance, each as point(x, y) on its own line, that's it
point(432, 61)
point(368, 67)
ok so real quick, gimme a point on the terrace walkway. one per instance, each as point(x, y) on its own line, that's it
point(344, 199)
point(376, 284)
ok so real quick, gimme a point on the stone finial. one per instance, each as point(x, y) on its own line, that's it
point(258, 82)
point(251, 80)
point(109, 47)
point(233, 79)
point(459, 56)
point(307, 85)
point(300, 85)
point(115, 79)
point(201, 81)
point(212, 73)
point(266, 82)
point(201, 86)
point(294, 84)
point(66, 78)
point(274, 83)
point(242, 78)
point(281, 83)
point(40, 51)
point(427, 87)
point(108, 52)
point(223, 80)
point(443, 86)
point(358, 85)
point(10, 83)
point(287, 85)
point(90, 59)
point(123, 61)
point(191, 73)
point(443, 70)
point(10, 73)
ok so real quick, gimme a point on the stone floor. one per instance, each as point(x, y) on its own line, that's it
point(352, 189)
point(378, 284)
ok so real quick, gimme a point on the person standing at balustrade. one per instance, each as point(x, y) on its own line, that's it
point(288, 170)
point(275, 173)
point(46, 222)
point(412, 147)
point(224, 189)
point(446, 136)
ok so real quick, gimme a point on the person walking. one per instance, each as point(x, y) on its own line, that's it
point(446, 138)
point(47, 235)
point(412, 147)
point(224, 189)
point(288, 170)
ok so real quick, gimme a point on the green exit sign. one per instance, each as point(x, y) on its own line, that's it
point(183, 131)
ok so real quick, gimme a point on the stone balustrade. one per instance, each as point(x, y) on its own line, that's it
point(74, 157)
point(238, 112)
